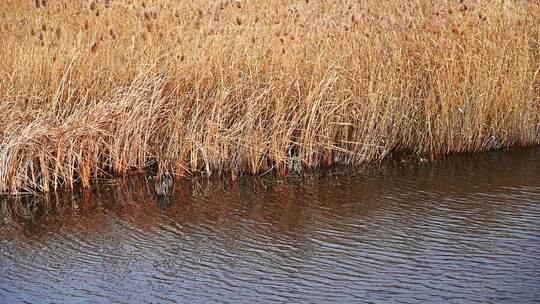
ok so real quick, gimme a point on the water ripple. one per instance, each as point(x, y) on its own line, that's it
point(459, 230)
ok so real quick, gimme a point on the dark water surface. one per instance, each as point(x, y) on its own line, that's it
point(465, 229)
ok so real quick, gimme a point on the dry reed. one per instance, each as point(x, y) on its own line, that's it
point(232, 87)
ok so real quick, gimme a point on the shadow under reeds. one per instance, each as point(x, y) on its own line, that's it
point(483, 181)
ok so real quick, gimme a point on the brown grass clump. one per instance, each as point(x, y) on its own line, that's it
point(190, 86)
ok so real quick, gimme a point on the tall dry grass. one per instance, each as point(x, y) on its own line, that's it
point(90, 88)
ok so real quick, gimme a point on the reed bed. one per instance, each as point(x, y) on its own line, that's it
point(90, 89)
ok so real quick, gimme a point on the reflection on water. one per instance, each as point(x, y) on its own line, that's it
point(463, 229)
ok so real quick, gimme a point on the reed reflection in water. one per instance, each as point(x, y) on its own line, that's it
point(461, 229)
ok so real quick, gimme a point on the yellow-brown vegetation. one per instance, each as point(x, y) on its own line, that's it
point(90, 88)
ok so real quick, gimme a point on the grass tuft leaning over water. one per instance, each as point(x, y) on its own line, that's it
point(90, 88)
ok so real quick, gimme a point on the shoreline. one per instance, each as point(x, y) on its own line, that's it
point(152, 184)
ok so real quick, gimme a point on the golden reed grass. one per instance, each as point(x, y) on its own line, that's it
point(91, 88)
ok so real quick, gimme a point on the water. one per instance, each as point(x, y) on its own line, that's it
point(465, 229)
